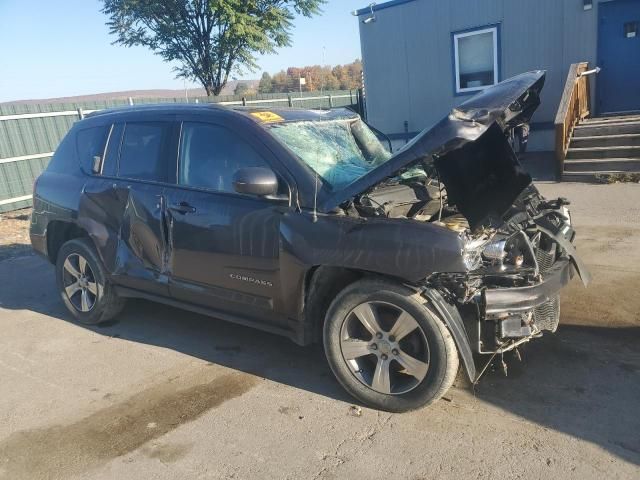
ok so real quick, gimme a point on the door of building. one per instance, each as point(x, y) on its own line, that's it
point(618, 84)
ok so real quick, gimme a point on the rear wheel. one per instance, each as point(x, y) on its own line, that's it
point(387, 347)
point(83, 284)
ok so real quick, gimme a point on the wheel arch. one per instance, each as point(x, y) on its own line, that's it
point(58, 233)
point(321, 285)
point(453, 321)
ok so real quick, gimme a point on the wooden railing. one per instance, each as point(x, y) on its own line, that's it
point(574, 106)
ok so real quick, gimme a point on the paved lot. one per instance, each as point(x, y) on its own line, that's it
point(167, 394)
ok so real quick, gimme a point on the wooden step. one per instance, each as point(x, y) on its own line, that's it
point(604, 152)
point(599, 164)
point(613, 119)
point(593, 130)
point(589, 177)
point(629, 139)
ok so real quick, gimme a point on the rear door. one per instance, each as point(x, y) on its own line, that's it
point(124, 200)
point(618, 83)
point(224, 245)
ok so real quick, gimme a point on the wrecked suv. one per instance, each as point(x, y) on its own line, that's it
point(301, 223)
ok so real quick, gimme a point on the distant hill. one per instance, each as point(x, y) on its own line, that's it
point(159, 93)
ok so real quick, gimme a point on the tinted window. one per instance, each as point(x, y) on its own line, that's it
point(90, 144)
point(64, 159)
point(143, 151)
point(210, 155)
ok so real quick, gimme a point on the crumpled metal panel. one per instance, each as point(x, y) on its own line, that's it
point(492, 112)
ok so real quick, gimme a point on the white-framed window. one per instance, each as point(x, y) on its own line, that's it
point(475, 55)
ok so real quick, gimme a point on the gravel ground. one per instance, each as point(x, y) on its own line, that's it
point(166, 394)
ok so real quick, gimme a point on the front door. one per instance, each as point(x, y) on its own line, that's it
point(224, 246)
point(619, 56)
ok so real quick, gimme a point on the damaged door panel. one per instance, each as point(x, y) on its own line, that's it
point(126, 221)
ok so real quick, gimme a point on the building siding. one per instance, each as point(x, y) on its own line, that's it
point(408, 55)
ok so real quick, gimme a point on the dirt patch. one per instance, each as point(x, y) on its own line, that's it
point(611, 300)
point(63, 450)
point(14, 234)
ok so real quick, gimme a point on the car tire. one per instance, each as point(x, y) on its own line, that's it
point(393, 377)
point(83, 284)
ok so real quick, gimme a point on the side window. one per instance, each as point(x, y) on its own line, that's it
point(90, 144)
point(143, 151)
point(210, 155)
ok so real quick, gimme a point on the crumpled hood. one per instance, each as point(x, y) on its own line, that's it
point(470, 150)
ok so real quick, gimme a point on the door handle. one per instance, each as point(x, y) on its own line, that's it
point(182, 207)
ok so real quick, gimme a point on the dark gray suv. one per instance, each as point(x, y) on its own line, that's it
point(302, 223)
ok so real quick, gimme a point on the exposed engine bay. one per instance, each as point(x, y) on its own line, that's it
point(512, 252)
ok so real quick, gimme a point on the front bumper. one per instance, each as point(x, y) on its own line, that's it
point(521, 299)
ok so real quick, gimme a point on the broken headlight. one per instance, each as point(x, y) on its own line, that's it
point(472, 252)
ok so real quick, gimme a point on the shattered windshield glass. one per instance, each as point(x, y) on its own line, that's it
point(339, 151)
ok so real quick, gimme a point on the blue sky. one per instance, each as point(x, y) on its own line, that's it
point(54, 48)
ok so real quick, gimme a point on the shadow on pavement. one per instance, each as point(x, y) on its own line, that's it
point(582, 381)
point(540, 165)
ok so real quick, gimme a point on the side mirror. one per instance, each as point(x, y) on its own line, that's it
point(255, 181)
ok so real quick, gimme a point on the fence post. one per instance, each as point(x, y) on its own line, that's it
point(350, 97)
point(290, 100)
point(80, 113)
point(330, 101)
point(130, 101)
point(406, 131)
point(244, 101)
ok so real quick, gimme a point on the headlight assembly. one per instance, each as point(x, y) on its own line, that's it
point(472, 253)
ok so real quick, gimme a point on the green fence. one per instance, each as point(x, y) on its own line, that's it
point(30, 133)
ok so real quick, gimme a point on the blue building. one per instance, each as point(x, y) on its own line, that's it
point(423, 57)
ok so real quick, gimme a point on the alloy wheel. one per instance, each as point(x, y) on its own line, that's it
point(79, 282)
point(384, 347)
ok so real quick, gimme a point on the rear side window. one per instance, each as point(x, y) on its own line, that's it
point(210, 155)
point(64, 159)
point(90, 144)
point(143, 152)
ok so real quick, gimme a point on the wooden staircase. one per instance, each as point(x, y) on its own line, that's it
point(603, 146)
point(590, 148)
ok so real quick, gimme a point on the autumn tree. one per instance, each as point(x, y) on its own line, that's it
point(208, 39)
point(280, 82)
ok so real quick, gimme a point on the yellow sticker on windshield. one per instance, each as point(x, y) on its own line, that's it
point(267, 117)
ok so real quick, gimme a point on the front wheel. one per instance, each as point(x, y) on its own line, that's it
point(387, 347)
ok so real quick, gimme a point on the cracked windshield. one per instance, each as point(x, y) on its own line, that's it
point(339, 151)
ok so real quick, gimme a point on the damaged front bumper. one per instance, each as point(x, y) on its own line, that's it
point(520, 299)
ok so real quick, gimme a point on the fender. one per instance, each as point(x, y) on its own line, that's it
point(453, 320)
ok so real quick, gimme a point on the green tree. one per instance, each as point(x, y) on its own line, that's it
point(265, 85)
point(243, 89)
point(208, 39)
